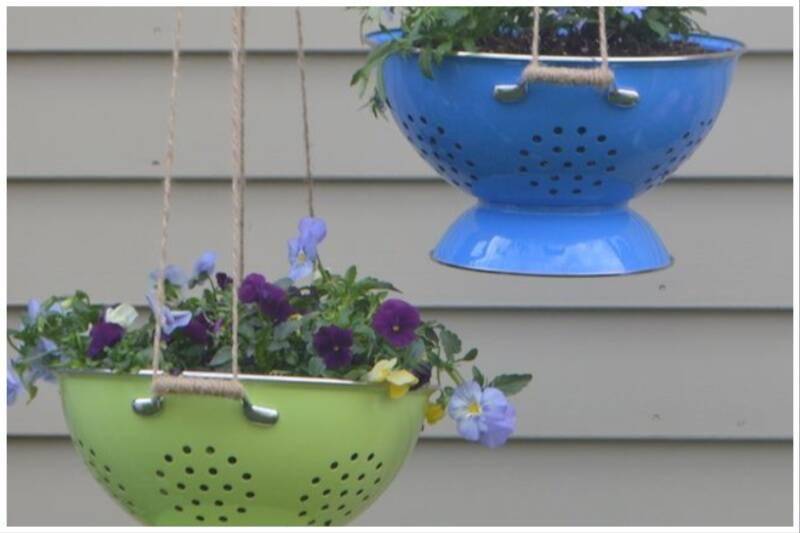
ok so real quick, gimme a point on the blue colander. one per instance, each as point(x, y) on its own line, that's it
point(552, 166)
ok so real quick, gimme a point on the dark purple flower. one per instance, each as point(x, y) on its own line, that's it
point(103, 335)
point(397, 322)
point(223, 280)
point(274, 303)
point(252, 288)
point(199, 329)
point(423, 373)
point(333, 345)
point(271, 299)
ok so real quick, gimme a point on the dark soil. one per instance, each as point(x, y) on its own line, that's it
point(585, 44)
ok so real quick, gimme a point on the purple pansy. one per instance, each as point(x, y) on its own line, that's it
point(103, 335)
point(397, 322)
point(637, 12)
point(252, 287)
point(170, 320)
point(484, 416)
point(423, 373)
point(333, 345)
point(303, 248)
point(271, 299)
point(223, 280)
point(199, 329)
point(13, 383)
point(274, 303)
point(204, 266)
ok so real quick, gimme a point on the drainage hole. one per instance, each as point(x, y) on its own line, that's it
point(246, 476)
point(223, 518)
point(189, 470)
point(195, 502)
point(218, 503)
point(159, 473)
point(179, 508)
point(212, 471)
point(200, 518)
point(187, 449)
point(334, 465)
point(232, 460)
point(181, 486)
point(209, 450)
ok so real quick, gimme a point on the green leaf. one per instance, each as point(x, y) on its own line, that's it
point(285, 329)
point(470, 355)
point(477, 375)
point(511, 384)
point(222, 357)
point(450, 342)
point(316, 366)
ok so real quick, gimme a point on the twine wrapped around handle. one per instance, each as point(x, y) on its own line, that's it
point(165, 384)
point(601, 76)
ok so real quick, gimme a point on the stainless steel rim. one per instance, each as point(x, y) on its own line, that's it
point(627, 59)
point(242, 377)
point(739, 48)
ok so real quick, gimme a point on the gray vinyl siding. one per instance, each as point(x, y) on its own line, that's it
point(658, 399)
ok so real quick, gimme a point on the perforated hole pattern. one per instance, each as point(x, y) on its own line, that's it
point(558, 161)
point(105, 476)
point(215, 494)
point(345, 486)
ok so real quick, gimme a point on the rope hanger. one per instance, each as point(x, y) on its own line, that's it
point(601, 76)
point(229, 388)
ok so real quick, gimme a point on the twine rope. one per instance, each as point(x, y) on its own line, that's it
point(165, 384)
point(238, 179)
point(301, 67)
point(601, 76)
point(169, 159)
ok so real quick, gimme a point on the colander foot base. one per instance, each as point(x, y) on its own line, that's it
point(542, 241)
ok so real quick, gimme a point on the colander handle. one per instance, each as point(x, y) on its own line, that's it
point(224, 388)
point(509, 93)
point(601, 76)
point(254, 413)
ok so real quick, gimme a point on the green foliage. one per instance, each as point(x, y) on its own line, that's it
point(285, 348)
point(433, 33)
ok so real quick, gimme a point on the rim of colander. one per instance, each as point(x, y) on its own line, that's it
point(242, 377)
point(738, 49)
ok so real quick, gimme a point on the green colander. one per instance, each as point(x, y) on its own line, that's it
point(335, 448)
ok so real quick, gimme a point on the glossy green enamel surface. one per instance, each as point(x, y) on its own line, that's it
point(335, 448)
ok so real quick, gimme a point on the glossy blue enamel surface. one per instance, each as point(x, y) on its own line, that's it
point(558, 147)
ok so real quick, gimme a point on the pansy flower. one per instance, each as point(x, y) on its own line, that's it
point(399, 380)
point(13, 383)
point(204, 266)
point(397, 322)
point(334, 344)
point(482, 415)
point(103, 335)
point(303, 248)
point(170, 320)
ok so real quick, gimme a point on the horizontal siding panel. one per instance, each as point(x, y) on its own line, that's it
point(93, 29)
point(628, 375)
point(524, 484)
point(104, 116)
point(731, 240)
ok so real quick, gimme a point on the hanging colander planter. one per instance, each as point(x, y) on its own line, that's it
point(334, 449)
point(267, 404)
point(553, 166)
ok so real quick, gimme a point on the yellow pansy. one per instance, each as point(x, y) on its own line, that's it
point(399, 380)
point(434, 412)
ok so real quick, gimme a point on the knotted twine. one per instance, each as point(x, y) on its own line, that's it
point(163, 384)
point(601, 76)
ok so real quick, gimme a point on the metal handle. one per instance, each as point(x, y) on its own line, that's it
point(510, 93)
point(254, 413)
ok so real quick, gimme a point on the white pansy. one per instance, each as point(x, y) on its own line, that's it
point(123, 315)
